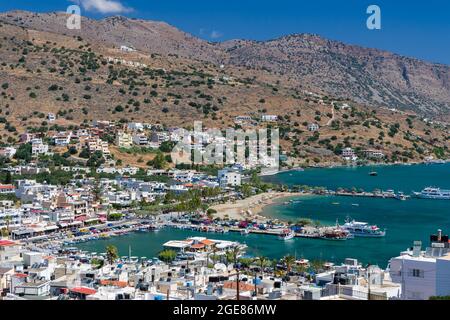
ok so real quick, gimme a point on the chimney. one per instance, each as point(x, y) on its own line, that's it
point(417, 248)
point(439, 235)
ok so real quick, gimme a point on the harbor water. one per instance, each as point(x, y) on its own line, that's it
point(405, 221)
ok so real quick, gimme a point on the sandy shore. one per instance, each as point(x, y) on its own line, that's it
point(250, 207)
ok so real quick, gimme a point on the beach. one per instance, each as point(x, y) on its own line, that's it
point(250, 207)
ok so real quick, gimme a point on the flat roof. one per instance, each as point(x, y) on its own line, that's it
point(177, 244)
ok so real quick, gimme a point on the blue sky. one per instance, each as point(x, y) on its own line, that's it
point(413, 28)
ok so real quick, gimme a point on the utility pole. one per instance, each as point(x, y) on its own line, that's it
point(256, 289)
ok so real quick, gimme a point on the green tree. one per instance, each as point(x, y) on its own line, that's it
point(159, 161)
point(111, 254)
point(167, 256)
point(8, 220)
point(262, 263)
point(24, 152)
point(289, 261)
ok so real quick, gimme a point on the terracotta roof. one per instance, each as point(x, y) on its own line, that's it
point(20, 275)
point(242, 286)
point(5, 243)
point(207, 242)
point(83, 290)
point(7, 186)
point(115, 283)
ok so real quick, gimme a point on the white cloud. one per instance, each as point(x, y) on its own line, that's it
point(104, 6)
point(216, 34)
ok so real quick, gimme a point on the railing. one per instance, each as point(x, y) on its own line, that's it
point(346, 292)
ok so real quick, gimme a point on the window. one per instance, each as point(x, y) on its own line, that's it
point(416, 273)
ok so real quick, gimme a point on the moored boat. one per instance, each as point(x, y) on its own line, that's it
point(286, 235)
point(433, 193)
point(363, 229)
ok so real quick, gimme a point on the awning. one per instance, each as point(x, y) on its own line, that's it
point(75, 223)
point(22, 232)
point(49, 228)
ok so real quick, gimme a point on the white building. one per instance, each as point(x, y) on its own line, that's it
point(8, 152)
point(313, 127)
point(136, 126)
point(229, 178)
point(51, 117)
point(269, 118)
point(159, 137)
point(127, 49)
point(349, 155)
point(9, 250)
point(96, 144)
point(373, 154)
point(242, 119)
point(62, 138)
point(422, 274)
point(140, 139)
point(124, 140)
point(38, 147)
point(11, 218)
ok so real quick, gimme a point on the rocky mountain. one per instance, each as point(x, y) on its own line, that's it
point(174, 79)
point(367, 76)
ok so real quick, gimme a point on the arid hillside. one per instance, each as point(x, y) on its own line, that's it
point(368, 76)
point(174, 79)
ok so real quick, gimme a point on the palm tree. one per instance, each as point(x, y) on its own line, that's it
point(233, 255)
point(262, 263)
point(289, 262)
point(111, 254)
point(8, 220)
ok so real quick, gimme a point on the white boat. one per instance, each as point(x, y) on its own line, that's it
point(245, 231)
point(287, 235)
point(363, 229)
point(433, 193)
point(401, 196)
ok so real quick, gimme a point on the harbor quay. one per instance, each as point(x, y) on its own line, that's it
point(205, 268)
point(63, 232)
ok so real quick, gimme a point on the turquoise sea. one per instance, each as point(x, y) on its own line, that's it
point(405, 221)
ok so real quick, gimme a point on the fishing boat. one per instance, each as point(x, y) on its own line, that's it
point(338, 234)
point(363, 229)
point(286, 235)
point(433, 193)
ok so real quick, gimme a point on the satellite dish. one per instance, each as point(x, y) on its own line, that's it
point(222, 66)
point(230, 267)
